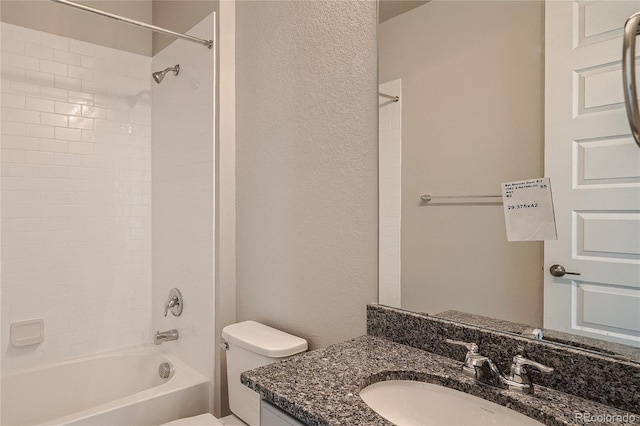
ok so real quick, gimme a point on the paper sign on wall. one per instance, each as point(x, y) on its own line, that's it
point(528, 210)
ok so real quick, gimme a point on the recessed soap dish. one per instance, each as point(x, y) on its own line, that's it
point(25, 333)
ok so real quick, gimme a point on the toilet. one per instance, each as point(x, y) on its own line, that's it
point(249, 345)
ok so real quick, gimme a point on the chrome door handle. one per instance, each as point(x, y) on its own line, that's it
point(629, 74)
point(559, 271)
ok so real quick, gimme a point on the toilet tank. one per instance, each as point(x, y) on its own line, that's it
point(252, 345)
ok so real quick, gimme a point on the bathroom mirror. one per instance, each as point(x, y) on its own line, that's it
point(461, 111)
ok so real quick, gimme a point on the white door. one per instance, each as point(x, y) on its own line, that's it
point(594, 166)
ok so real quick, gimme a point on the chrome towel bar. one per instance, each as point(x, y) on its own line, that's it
point(428, 197)
point(393, 98)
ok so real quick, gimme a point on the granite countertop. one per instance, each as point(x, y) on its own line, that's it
point(322, 387)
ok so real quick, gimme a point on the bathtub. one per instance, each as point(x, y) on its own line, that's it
point(120, 388)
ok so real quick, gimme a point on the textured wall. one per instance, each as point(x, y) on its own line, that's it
point(472, 117)
point(76, 188)
point(306, 114)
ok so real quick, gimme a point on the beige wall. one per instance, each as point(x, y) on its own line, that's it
point(175, 15)
point(306, 166)
point(179, 16)
point(472, 118)
point(73, 23)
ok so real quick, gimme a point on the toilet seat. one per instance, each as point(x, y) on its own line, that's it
point(206, 419)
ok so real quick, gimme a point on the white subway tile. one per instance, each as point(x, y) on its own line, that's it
point(93, 63)
point(39, 78)
point(94, 112)
point(54, 93)
point(39, 104)
point(25, 62)
point(81, 148)
point(89, 136)
point(21, 115)
point(67, 57)
point(53, 67)
point(68, 108)
point(82, 47)
point(80, 73)
point(58, 120)
point(55, 172)
point(25, 197)
point(39, 157)
point(13, 101)
point(68, 134)
point(21, 88)
point(55, 41)
point(13, 156)
point(68, 83)
point(93, 88)
point(81, 98)
point(79, 164)
point(10, 74)
point(24, 142)
point(21, 170)
point(38, 51)
point(72, 160)
point(13, 129)
point(54, 145)
point(84, 123)
point(39, 131)
point(12, 46)
point(51, 197)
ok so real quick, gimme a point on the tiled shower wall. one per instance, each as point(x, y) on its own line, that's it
point(76, 195)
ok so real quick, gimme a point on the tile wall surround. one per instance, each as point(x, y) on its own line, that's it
point(183, 196)
point(76, 195)
point(595, 377)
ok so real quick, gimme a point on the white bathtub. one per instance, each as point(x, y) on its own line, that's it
point(120, 388)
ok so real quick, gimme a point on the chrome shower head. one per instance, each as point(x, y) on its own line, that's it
point(158, 76)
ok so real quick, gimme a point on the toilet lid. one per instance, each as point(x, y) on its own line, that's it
point(202, 420)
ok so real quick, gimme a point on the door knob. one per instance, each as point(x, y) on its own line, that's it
point(559, 271)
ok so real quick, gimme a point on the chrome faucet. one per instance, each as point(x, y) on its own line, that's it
point(165, 336)
point(486, 372)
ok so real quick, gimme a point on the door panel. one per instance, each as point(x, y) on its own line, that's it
point(594, 166)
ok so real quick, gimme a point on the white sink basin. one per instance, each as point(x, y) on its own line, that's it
point(410, 403)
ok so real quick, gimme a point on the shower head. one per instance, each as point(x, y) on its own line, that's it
point(159, 75)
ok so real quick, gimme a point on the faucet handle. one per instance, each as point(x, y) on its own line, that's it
point(472, 357)
point(519, 377)
point(174, 303)
point(520, 361)
point(471, 347)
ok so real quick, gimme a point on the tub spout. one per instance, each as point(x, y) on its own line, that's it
point(165, 336)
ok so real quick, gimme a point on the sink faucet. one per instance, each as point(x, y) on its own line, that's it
point(485, 371)
point(165, 336)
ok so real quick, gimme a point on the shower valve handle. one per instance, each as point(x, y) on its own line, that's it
point(174, 303)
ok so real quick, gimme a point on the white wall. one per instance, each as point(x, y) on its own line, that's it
point(306, 166)
point(472, 118)
point(76, 188)
point(390, 192)
point(183, 196)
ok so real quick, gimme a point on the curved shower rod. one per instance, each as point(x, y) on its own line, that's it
point(208, 43)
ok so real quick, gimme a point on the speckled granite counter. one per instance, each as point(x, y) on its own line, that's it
point(322, 387)
point(615, 350)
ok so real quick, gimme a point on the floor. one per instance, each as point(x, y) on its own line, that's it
point(232, 421)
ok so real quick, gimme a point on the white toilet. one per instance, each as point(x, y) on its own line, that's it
point(249, 345)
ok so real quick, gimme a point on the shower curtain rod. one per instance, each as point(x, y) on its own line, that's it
point(208, 43)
